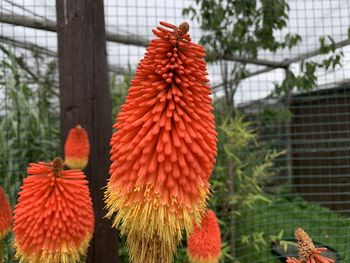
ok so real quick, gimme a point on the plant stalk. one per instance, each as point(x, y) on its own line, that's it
point(1, 252)
point(232, 214)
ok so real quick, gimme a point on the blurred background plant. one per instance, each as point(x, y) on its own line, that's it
point(119, 85)
point(252, 167)
point(29, 116)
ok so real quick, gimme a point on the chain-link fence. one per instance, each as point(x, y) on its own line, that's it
point(289, 134)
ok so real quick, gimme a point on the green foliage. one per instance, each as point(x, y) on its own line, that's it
point(243, 26)
point(322, 224)
point(240, 27)
point(307, 79)
point(252, 163)
point(244, 165)
point(119, 89)
point(260, 240)
point(269, 116)
point(122, 250)
point(29, 120)
point(253, 166)
point(29, 116)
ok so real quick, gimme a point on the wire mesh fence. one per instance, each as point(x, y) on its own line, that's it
point(29, 112)
point(291, 148)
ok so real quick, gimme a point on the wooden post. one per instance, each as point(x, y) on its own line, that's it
point(85, 100)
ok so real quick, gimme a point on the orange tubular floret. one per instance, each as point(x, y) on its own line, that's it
point(292, 260)
point(164, 149)
point(5, 214)
point(77, 148)
point(204, 244)
point(53, 219)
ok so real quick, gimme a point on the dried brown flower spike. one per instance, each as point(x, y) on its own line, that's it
point(305, 244)
point(307, 251)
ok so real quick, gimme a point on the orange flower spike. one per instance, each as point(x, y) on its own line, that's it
point(53, 219)
point(5, 214)
point(77, 148)
point(307, 251)
point(164, 149)
point(204, 244)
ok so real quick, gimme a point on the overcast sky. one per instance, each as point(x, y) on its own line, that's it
point(310, 19)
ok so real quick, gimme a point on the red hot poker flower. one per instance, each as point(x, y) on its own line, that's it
point(204, 244)
point(164, 149)
point(53, 219)
point(77, 148)
point(5, 214)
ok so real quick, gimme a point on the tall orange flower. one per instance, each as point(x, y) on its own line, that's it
point(5, 214)
point(53, 219)
point(204, 245)
point(77, 148)
point(164, 148)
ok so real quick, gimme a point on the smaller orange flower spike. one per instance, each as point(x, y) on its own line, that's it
point(53, 219)
point(77, 148)
point(307, 251)
point(5, 214)
point(204, 244)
